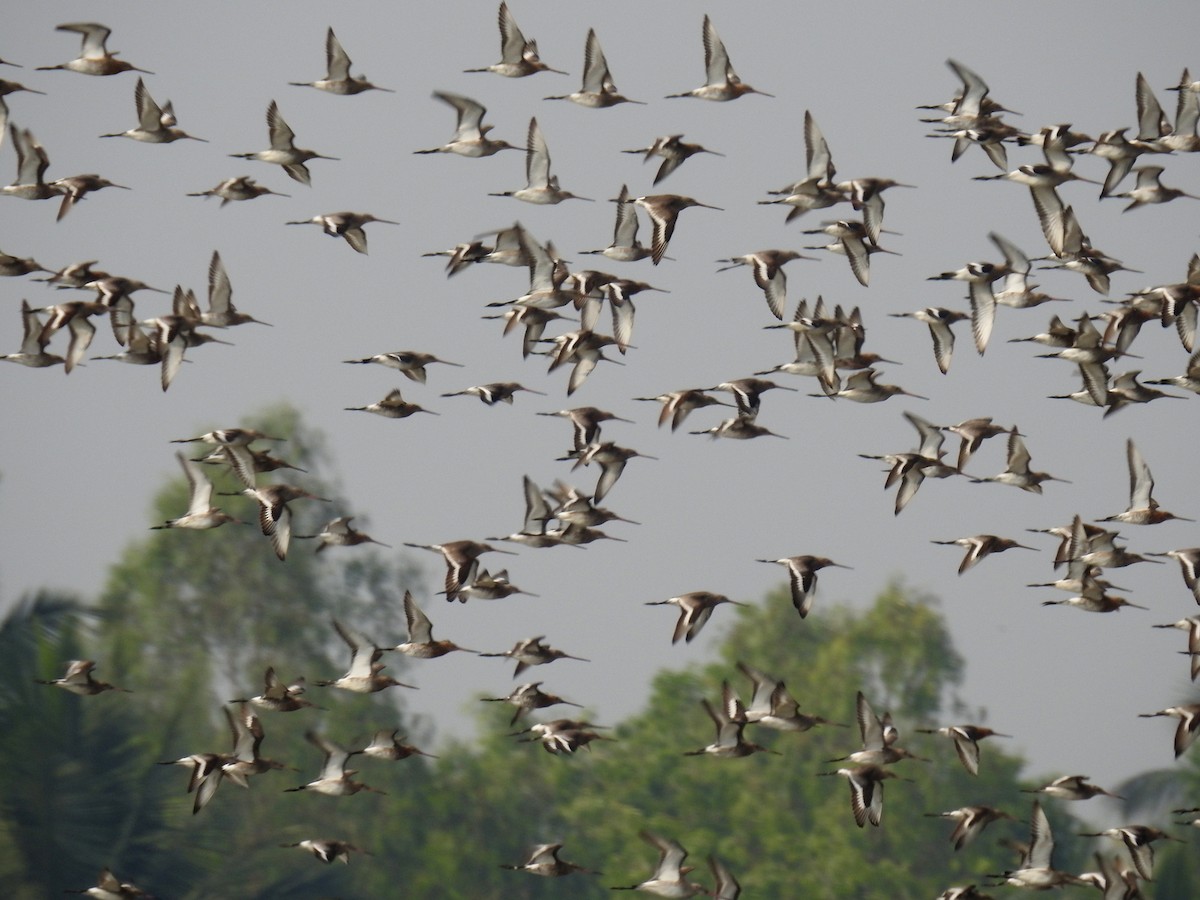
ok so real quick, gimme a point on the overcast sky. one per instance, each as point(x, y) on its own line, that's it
point(82, 455)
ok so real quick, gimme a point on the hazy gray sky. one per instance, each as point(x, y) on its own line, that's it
point(82, 455)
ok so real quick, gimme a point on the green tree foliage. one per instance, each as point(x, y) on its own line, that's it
point(190, 620)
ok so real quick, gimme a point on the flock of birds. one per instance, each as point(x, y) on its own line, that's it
point(827, 342)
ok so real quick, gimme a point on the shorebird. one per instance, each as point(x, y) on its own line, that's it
point(663, 210)
point(1188, 715)
point(1139, 841)
point(278, 696)
point(771, 706)
point(981, 545)
point(75, 187)
point(1192, 625)
point(973, 432)
point(673, 151)
point(562, 735)
point(729, 720)
point(817, 189)
point(866, 791)
point(747, 393)
point(242, 187)
point(598, 90)
point(866, 196)
point(625, 246)
point(348, 225)
point(155, 123)
point(336, 780)
point(695, 609)
point(109, 887)
point(339, 533)
point(78, 680)
point(540, 186)
point(201, 514)
point(470, 134)
point(670, 876)
point(1189, 562)
point(410, 363)
point(585, 424)
point(364, 674)
point(676, 405)
point(739, 427)
point(526, 697)
point(802, 577)
point(385, 745)
point(1143, 508)
point(851, 241)
point(75, 316)
point(16, 266)
point(338, 79)
point(939, 319)
point(284, 151)
point(1150, 189)
point(494, 392)
point(1115, 877)
point(543, 860)
point(33, 349)
point(244, 760)
point(879, 737)
point(861, 387)
point(94, 58)
point(329, 851)
point(392, 406)
point(966, 742)
point(969, 822)
point(274, 514)
point(205, 774)
point(767, 266)
point(486, 586)
point(462, 561)
point(1071, 787)
point(221, 312)
point(533, 652)
point(612, 460)
point(518, 56)
point(32, 163)
point(1018, 473)
point(235, 442)
point(420, 643)
point(1037, 871)
point(721, 82)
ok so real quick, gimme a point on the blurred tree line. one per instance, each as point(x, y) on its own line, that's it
point(190, 622)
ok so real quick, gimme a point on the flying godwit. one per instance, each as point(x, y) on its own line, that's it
point(78, 680)
point(364, 676)
point(966, 742)
point(420, 643)
point(518, 56)
point(470, 134)
point(673, 151)
point(721, 82)
point(695, 609)
point(348, 225)
point(283, 151)
point(540, 186)
point(338, 79)
point(533, 651)
point(155, 123)
point(336, 780)
point(670, 876)
point(543, 860)
point(598, 90)
point(240, 188)
point(94, 58)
